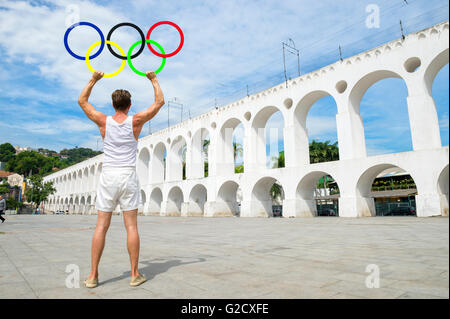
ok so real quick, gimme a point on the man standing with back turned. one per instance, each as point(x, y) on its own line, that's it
point(118, 181)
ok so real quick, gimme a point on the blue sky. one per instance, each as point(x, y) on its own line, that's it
point(228, 45)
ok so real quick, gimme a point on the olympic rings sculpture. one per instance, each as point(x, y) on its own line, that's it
point(126, 58)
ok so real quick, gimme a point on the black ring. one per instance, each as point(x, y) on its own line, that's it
point(129, 25)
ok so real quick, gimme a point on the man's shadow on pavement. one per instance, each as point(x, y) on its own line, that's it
point(153, 268)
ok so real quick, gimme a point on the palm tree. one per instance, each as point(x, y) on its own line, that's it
point(323, 151)
point(237, 150)
point(276, 191)
point(278, 160)
point(205, 154)
point(205, 148)
point(183, 160)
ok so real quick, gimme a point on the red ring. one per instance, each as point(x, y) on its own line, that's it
point(169, 54)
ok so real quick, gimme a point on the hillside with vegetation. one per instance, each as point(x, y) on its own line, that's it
point(42, 161)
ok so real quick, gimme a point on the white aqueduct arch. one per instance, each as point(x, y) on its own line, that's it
point(416, 60)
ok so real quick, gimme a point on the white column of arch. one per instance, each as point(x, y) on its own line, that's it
point(255, 143)
point(423, 118)
point(350, 130)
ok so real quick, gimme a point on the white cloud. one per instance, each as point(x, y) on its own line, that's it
point(321, 127)
point(228, 44)
point(53, 128)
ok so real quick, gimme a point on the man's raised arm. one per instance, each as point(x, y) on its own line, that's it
point(146, 115)
point(98, 117)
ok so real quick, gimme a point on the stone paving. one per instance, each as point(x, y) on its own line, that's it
point(230, 257)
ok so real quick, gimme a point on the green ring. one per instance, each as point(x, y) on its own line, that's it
point(131, 50)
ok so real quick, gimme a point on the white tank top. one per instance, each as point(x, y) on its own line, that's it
point(119, 144)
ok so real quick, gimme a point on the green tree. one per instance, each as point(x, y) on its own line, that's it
point(27, 162)
point(278, 160)
point(38, 191)
point(76, 155)
point(12, 203)
point(323, 151)
point(239, 169)
point(7, 152)
point(237, 150)
point(205, 154)
point(276, 191)
point(4, 188)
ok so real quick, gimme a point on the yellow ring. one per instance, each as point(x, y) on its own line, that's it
point(107, 42)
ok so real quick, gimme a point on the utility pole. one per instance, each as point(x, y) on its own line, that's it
point(174, 102)
point(290, 47)
point(340, 53)
point(401, 29)
point(284, 64)
point(247, 91)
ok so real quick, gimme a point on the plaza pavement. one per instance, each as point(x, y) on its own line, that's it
point(229, 257)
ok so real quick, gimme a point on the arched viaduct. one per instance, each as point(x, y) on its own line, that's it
point(415, 60)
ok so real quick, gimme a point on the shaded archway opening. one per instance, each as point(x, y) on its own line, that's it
point(197, 200)
point(434, 68)
point(82, 208)
point(76, 206)
point(322, 131)
point(158, 163)
point(89, 204)
point(154, 205)
point(229, 198)
point(440, 95)
point(92, 178)
point(384, 112)
point(183, 159)
point(176, 159)
point(318, 195)
point(142, 166)
point(71, 206)
point(199, 166)
point(143, 200)
point(268, 137)
point(73, 182)
point(79, 182)
point(84, 184)
point(267, 198)
point(274, 140)
point(231, 150)
point(98, 173)
point(64, 185)
point(443, 190)
point(175, 200)
point(315, 129)
point(386, 190)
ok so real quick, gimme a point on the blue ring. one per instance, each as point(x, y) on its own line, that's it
point(102, 38)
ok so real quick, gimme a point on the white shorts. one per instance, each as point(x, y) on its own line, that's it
point(118, 185)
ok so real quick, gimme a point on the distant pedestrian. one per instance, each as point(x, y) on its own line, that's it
point(2, 208)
